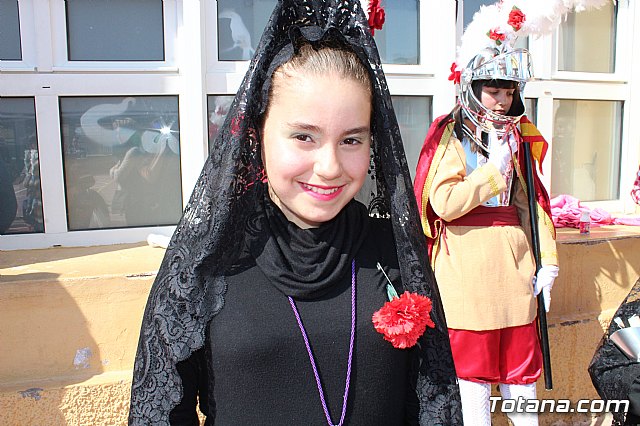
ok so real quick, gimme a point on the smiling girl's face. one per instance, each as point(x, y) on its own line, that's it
point(315, 145)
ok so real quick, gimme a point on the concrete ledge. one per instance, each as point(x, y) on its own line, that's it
point(71, 317)
point(101, 400)
point(70, 323)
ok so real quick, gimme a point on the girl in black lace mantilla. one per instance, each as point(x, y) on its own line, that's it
point(301, 219)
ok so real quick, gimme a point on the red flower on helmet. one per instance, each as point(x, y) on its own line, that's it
point(496, 35)
point(404, 319)
point(516, 18)
point(455, 74)
point(376, 16)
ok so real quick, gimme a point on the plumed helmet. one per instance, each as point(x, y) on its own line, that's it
point(487, 51)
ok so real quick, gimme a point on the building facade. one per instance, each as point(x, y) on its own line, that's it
point(108, 108)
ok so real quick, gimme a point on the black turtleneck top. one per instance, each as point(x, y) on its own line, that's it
point(254, 368)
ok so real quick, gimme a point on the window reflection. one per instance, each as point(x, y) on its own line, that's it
point(20, 191)
point(240, 25)
point(218, 108)
point(586, 149)
point(121, 161)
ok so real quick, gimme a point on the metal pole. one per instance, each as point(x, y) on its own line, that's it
point(535, 243)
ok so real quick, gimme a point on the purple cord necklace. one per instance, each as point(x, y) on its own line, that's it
point(313, 362)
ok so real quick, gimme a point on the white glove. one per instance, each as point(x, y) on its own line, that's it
point(499, 152)
point(543, 281)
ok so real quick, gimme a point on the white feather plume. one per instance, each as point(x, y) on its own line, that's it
point(474, 39)
point(542, 17)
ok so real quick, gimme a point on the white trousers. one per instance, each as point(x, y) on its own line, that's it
point(476, 408)
point(516, 392)
point(475, 403)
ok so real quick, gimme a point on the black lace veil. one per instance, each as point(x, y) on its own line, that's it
point(190, 286)
point(613, 375)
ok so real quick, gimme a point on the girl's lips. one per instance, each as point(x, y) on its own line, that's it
point(322, 192)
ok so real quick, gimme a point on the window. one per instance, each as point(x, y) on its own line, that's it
point(240, 25)
point(414, 116)
point(586, 149)
point(531, 109)
point(115, 30)
point(470, 7)
point(20, 191)
point(398, 41)
point(217, 107)
point(10, 49)
point(587, 41)
point(121, 161)
point(241, 22)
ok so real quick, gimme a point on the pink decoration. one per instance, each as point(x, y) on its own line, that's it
point(566, 211)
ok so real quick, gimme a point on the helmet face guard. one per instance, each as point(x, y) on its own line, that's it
point(490, 64)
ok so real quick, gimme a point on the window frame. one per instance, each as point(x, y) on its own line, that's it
point(547, 91)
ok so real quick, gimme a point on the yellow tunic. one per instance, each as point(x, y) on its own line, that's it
point(484, 273)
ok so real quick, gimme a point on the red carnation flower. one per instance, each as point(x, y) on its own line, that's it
point(404, 319)
point(455, 74)
point(376, 16)
point(516, 18)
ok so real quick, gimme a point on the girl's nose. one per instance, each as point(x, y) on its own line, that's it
point(327, 162)
point(504, 99)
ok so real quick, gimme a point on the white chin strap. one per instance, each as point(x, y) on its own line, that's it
point(520, 391)
point(475, 403)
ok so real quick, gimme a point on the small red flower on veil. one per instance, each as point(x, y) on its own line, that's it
point(404, 319)
point(376, 16)
point(516, 18)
